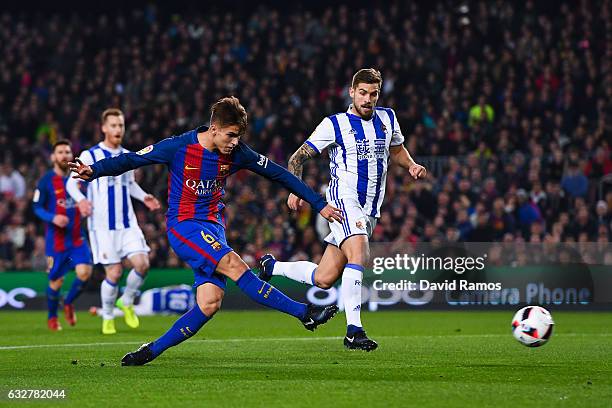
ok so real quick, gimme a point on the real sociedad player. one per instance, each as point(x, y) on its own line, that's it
point(65, 246)
point(199, 162)
point(360, 141)
point(114, 233)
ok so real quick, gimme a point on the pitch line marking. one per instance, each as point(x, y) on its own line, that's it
point(261, 339)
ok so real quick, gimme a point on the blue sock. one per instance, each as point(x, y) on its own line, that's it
point(267, 295)
point(186, 326)
point(75, 291)
point(351, 329)
point(53, 297)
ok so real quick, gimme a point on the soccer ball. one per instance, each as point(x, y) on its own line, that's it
point(532, 326)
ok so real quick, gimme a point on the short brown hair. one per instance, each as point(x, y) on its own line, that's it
point(367, 76)
point(229, 112)
point(111, 112)
point(61, 142)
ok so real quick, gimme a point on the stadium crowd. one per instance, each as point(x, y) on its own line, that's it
point(507, 104)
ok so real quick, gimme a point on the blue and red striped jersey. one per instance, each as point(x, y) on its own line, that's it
point(197, 176)
point(51, 199)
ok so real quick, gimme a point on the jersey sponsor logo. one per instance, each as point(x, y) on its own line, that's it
point(145, 150)
point(363, 149)
point(352, 132)
point(379, 148)
point(188, 167)
point(204, 187)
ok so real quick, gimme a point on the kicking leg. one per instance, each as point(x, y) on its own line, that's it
point(232, 266)
point(209, 297)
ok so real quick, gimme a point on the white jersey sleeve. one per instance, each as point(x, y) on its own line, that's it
point(73, 185)
point(135, 190)
point(323, 136)
point(397, 138)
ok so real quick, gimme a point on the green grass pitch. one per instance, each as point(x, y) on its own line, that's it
point(266, 359)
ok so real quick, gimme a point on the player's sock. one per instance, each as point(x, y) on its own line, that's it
point(132, 285)
point(186, 326)
point(75, 291)
point(301, 271)
point(351, 294)
point(267, 295)
point(53, 297)
point(108, 293)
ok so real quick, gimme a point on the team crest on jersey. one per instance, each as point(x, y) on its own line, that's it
point(145, 150)
point(359, 224)
point(49, 263)
point(383, 127)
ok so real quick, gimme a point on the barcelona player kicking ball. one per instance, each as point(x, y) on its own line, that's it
point(199, 162)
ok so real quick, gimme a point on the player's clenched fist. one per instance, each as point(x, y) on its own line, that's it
point(83, 171)
point(85, 207)
point(417, 171)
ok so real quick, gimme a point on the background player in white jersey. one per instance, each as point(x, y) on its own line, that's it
point(360, 141)
point(113, 230)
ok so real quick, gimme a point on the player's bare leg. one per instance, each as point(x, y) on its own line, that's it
point(208, 302)
point(83, 273)
point(134, 280)
point(53, 298)
point(108, 292)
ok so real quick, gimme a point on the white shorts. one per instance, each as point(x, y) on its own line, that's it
point(111, 246)
point(356, 222)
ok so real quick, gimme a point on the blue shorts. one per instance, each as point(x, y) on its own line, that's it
point(60, 263)
point(202, 245)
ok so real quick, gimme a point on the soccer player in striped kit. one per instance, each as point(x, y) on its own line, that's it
point(360, 142)
point(66, 247)
point(199, 162)
point(114, 233)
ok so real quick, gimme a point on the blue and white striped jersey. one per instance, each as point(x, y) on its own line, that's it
point(359, 155)
point(110, 196)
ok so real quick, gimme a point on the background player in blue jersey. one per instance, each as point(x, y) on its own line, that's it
point(66, 247)
point(199, 161)
point(360, 141)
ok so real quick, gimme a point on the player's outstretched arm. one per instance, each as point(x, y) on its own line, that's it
point(263, 166)
point(161, 152)
point(401, 156)
point(296, 167)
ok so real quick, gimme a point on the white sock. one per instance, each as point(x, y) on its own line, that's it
point(301, 271)
point(108, 293)
point(351, 294)
point(132, 284)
